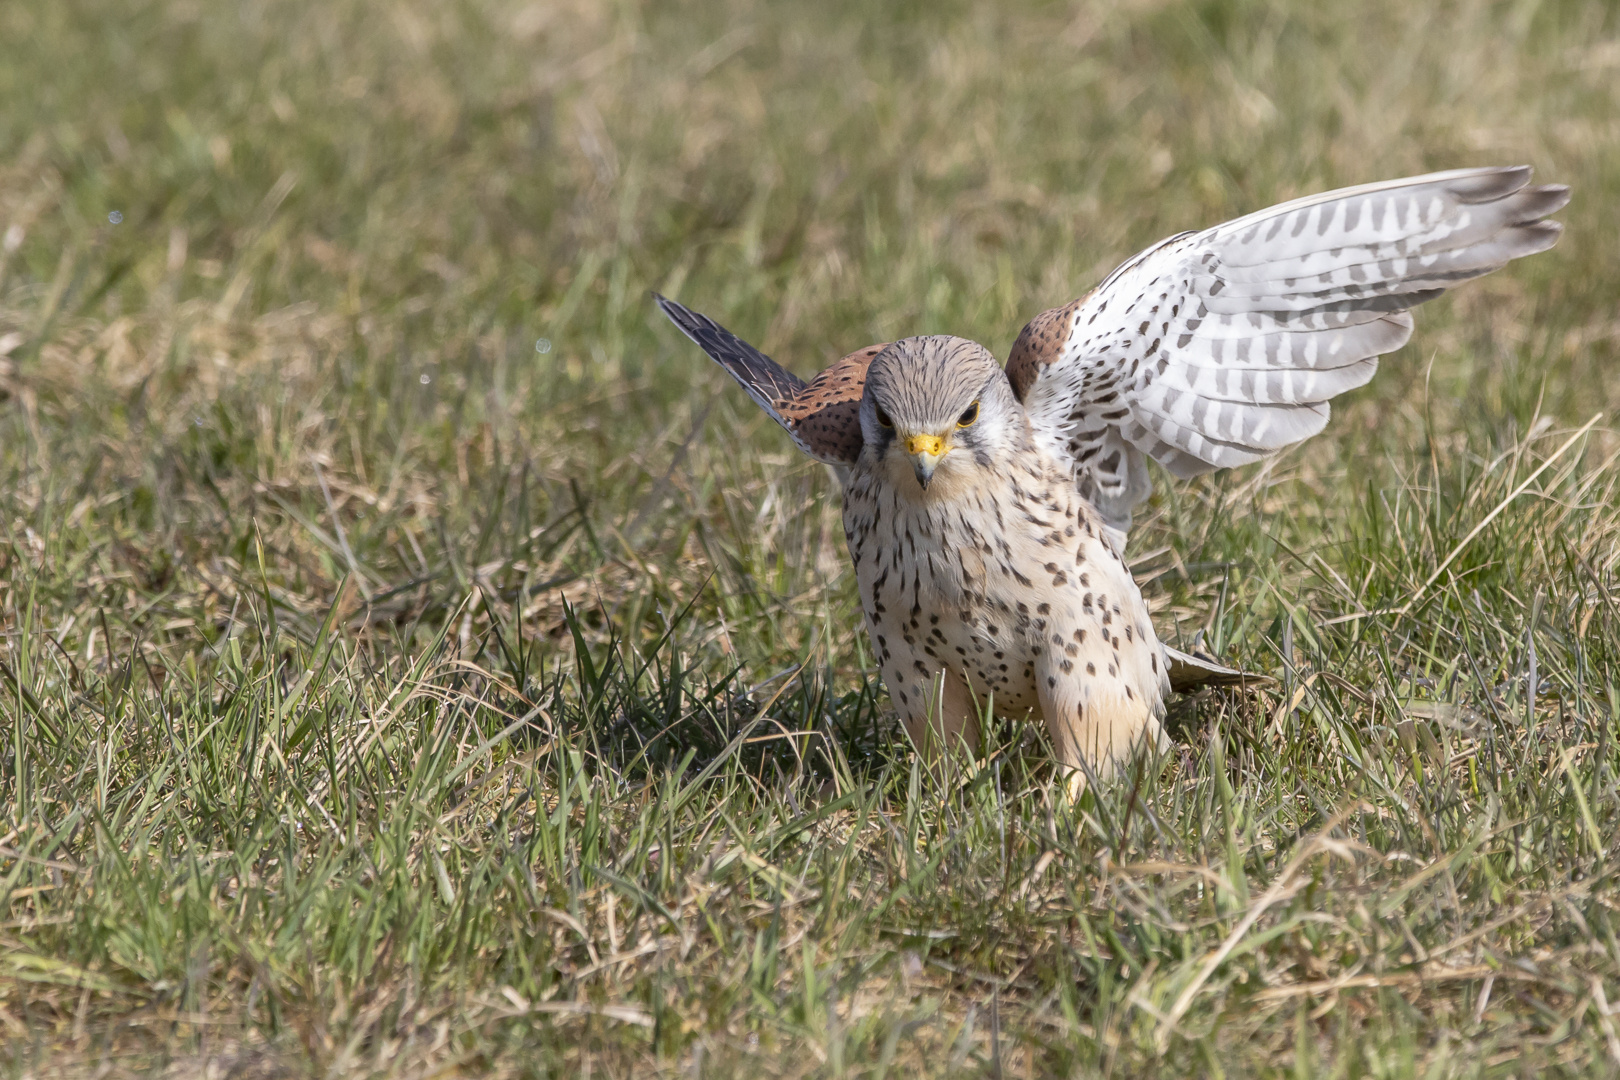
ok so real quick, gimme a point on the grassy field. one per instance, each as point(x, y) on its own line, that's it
point(420, 661)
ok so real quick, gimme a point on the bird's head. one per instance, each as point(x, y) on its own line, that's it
point(939, 408)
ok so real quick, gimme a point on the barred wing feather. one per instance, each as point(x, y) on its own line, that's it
point(1218, 348)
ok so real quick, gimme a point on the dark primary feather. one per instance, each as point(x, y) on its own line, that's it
point(822, 415)
point(767, 382)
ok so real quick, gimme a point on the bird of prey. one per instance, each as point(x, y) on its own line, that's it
point(986, 508)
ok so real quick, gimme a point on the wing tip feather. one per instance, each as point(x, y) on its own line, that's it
point(1489, 184)
point(682, 316)
point(767, 382)
point(1537, 236)
point(804, 410)
point(1538, 202)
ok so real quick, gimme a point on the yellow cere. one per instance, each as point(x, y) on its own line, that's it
point(925, 444)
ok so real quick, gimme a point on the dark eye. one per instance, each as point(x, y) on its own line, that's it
point(971, 414)
point(883, 419)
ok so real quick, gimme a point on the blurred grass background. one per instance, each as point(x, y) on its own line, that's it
point(378, 688)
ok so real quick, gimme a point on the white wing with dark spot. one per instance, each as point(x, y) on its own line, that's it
point(1218, 348)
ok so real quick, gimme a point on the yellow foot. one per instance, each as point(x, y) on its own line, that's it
point(1074, 785)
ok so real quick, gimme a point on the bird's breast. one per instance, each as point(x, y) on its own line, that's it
point(980, 583)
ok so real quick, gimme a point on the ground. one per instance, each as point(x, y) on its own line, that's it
point(420, 660)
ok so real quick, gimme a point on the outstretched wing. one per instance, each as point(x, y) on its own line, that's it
point(822, 415)
point(1217, 348)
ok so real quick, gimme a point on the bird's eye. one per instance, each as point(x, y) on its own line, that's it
point(883, 419)
point(968, 416)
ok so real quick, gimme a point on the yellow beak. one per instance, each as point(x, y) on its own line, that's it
point(925, 451)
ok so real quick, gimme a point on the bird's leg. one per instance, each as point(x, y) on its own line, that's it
point(1074, 782)
point(948, 719)
point(1094, 728)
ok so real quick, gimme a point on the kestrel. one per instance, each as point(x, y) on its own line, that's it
point(986, 508)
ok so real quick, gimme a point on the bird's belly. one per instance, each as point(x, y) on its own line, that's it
point(935, 607)
point(993, 605)
point(997, 662)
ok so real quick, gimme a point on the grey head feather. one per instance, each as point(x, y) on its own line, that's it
point(923, 384)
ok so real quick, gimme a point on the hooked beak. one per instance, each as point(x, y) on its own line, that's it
point(925, 451)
